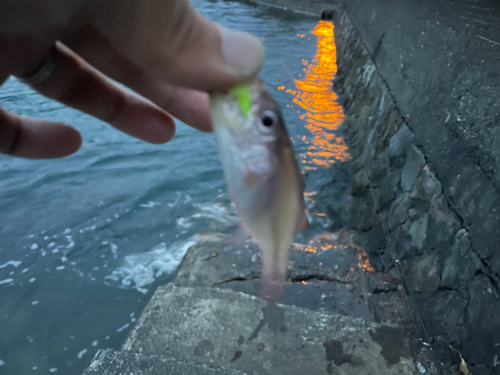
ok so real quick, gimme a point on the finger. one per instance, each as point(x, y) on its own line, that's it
point(188, 105)
point(75, 83)
point(174, 44)
point(35, 138)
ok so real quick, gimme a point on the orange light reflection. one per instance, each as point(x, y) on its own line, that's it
point(310, 249)
point(314, 94)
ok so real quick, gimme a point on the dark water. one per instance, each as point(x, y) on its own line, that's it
point(85, 240)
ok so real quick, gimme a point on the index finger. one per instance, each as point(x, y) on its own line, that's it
point(78, 85)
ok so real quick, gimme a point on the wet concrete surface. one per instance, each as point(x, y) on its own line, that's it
point(238, 331)
point(111, 362)
point(328, 273)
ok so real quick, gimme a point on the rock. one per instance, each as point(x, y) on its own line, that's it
point(426, 185)
point(378, 169)
point(398, 212)
point(418, 230)
point(400, 141)
point(482, 321)
point(443, 314)
point(237, 331)
point(423, 273)
point(462, 264)
point(414, 163)
point(443, 223)
point(388, 189)
point(363, 214)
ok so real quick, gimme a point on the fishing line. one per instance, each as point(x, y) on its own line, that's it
point(417, 320)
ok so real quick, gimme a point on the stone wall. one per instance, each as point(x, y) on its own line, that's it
point(403, 216)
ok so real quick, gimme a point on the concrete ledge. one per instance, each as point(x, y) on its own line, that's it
point(111, 362)
point(238, 331)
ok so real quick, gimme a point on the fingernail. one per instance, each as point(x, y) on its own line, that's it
point(242, 50)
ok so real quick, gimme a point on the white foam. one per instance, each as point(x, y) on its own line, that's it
point(94, 343)
point(123, 327)
point(32, 279)
point(81, 353)
point(25, 270)
point(113, 248)
point(183, 222)
point(6, 281)
point(14, 263)
point(60, 268)
point(52, 244)
point(2, 363)
point(224, 214)
point(67, 231)
point(53, 369)
point(34, 246)
point(150, 204)
point(71, 243)
point(174, 203)
point(141, 270)
point(217, 211)
point(34, 303)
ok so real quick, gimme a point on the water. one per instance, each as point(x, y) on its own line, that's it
point(86, 239)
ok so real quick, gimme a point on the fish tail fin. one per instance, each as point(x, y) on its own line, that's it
point(271, 286)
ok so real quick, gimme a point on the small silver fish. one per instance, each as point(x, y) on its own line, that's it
point(262, 175)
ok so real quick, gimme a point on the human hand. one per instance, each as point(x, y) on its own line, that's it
point(161, 49)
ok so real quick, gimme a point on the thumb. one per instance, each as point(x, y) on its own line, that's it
point(214, 58)
point(171, 42)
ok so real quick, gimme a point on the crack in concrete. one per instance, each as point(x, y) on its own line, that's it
point(318, 277)
point(290, 278)
point(251, 276)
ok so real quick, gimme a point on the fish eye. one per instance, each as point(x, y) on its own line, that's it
point(268, 118)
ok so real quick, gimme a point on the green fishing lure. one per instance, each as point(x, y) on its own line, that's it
point(242, 94)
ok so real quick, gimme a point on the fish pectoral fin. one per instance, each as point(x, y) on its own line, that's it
point(251, 179)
